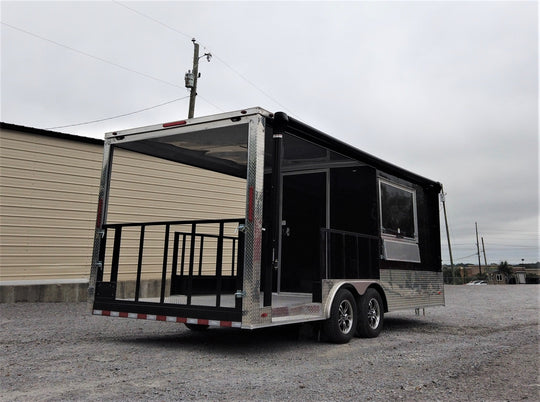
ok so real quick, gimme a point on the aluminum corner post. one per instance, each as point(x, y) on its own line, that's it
point(251, 303)
point(96, 271)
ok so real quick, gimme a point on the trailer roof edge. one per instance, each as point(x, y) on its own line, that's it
point(349, 150)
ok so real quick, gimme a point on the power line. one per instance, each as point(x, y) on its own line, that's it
point(153, 19)
point(213, 54)
point(250, 83)
point(120, 115)
point(499, 246)
point(210, 103)
point(467, 256)
point(91, 55)
point(138, 72)
point(172, 29)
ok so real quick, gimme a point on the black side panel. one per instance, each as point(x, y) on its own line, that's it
point(429, 228)
point(353, 208)
point(353, 200)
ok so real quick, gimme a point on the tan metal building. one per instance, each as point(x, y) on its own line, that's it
point(49, 185)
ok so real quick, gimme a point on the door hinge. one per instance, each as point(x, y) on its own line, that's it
point(239, 294)
point(240, 228)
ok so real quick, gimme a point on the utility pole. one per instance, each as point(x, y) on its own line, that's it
point(192, 76)
point(484, 250)
point(443, 200)
point(478, 249)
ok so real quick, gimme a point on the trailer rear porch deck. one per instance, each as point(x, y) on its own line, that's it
point(286, 307)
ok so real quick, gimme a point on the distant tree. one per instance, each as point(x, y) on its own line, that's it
point(504, 268)
point(448, 275)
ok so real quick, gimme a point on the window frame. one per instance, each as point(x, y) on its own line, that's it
point(409, 190)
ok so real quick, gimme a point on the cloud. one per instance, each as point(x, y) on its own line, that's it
point(446, 89)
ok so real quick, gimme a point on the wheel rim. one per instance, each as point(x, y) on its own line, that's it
point(345, 320)
point(374, 313)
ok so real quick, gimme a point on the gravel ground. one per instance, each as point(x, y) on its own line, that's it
point(482, 346)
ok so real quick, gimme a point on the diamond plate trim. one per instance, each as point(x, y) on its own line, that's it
point(406, 289)
point(101, 216)
point(252, 313)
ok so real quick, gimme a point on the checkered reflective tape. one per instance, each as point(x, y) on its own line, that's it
point(199, 321)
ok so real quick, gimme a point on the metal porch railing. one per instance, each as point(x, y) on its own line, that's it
point(349, 255)
point(197, 263)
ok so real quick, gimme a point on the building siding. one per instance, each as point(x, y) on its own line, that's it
point(48, 200)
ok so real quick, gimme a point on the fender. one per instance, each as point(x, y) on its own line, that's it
point(359, 286)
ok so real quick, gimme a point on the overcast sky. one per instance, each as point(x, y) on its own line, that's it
point(448, 90)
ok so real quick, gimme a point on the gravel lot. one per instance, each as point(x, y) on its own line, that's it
point(482, 346)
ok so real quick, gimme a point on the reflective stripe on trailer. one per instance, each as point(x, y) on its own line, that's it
point(152, 317)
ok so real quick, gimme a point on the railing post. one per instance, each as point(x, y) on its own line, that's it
point(164, 271)
point(201, 246)
point(175, 254)
point(219, 261)
point(233, 256)
point(182, 261)
point(191, 261)
point(174, 263)
point(116, 253)
point(139, 264)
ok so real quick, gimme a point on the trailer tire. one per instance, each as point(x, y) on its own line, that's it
point(197, 327)
point(340, 327)
point(370, 315)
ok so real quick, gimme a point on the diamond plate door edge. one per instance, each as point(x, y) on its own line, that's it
point(251, 304)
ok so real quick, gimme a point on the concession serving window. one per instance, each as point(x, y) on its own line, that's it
point(399, 226)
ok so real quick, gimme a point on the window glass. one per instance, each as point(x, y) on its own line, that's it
point(221, 149)
point(300, 154)
point(398, 210)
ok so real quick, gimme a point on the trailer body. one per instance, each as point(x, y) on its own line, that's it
point(327, 232)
